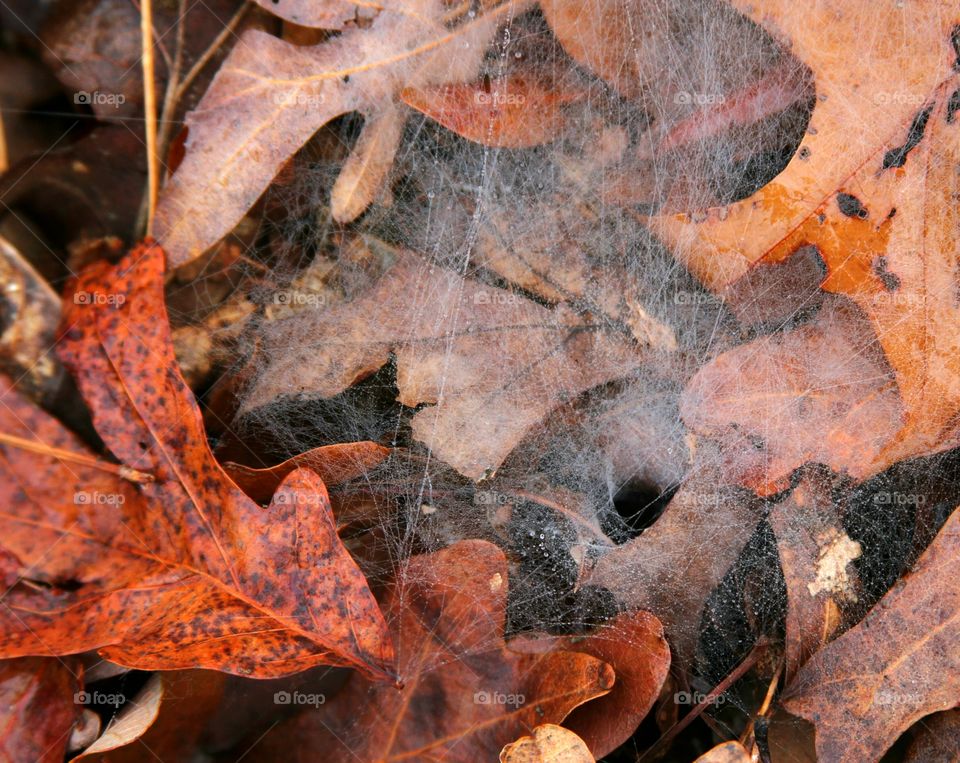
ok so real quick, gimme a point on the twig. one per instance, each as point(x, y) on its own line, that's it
point(149, 109)
point(127, 473)
point(735, 675)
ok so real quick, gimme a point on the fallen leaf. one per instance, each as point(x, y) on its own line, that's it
point(814, 554)
point(634, 646)
point(671, 569)
point(548, 743)
point(900, 663)
point(197, 573)
point(728, 752)
point(163, 720)
point(507, 112)
point(270, 97)
point(937, 739)
point(819, 392)
point(334, 464)
point(878, 204)
point(37, 708)
point(465, 693)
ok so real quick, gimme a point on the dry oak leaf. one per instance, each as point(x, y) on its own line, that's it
point(900, 663)
point(332, 463)
point(634, 646)
point(465, 693)
point(491, 363)
point(37, 708)
point(507, 112)
point(819, 392)
point(728, 752)
point(185, 571)
point(164, 720)
point(873, 186)
point(548, 743)
point(815, 554)
point(270, 97)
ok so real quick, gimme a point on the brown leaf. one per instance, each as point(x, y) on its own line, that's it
point(728, 752)
point(548, 743)
point(37, 708)
point(507, 112)
point(491, 362)
point(332, 463)
point(635, 647)
point(814, 554)
point(465, 693)
point(329, 14)
point(672, 568)
point(183, 571)
point(820, 392)
point(879, 205)
point(163, 720)
point(899, 664)
point(937, 739)
point(270, 97)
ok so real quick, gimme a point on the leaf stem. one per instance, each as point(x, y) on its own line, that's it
point(125, 472)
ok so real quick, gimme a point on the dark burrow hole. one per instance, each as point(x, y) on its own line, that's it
point(637, 507)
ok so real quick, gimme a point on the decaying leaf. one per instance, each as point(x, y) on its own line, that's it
point(270, 96)
point(465, 693)
point(899, 664)
point(332, 463)
point(814, 553)
point(192, 568)
point(548, 743)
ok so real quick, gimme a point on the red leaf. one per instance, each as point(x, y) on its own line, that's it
point(184, 571)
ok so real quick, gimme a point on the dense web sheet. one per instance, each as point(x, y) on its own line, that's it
point(504, 313)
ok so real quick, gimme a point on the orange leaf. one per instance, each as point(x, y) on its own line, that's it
point(508, 112)
point(465, 693)
point(185, 571)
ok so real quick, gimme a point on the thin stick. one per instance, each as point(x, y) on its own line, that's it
point(76, 458)
point(735, 675)
point(149, 109)
point(4, 158)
